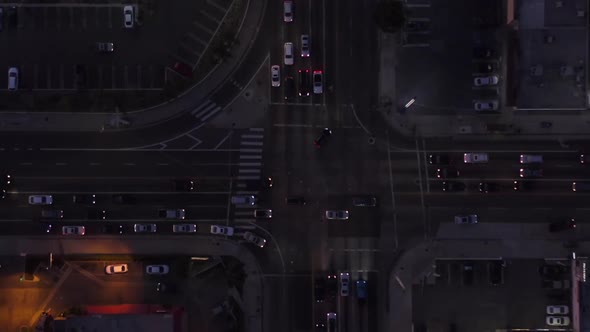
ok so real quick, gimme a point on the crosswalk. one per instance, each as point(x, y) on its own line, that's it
point(206, 110)
point(249, 171)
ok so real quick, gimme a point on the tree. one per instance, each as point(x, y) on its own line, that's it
point(389, 15)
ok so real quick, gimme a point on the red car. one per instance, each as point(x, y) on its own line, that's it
point(183, 69)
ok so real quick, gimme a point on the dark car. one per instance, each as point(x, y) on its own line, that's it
point(443, 173)
point(486, 187)
point(124, 199)
point(322, 138)
point(562, 225)
point(486, 67)
point(266, 183)
point(52, 214)
point(483, 53)
point(320, 289)
point(165, 288)
point(496, 269)
point(304, 83)
point(553, 271)
point(438, 159)
point(97, 214)
point(453, 186)
point(585, 159)
point(417, 25)
point(87, 199)
point(80, 73)
point(531, 173)
point(295, 200)
point(112, 229)
point(105, 47)
point(468, 273)
point(5, 181)
point(183, 185)
point(365, 201)
point(289, 87)
point(332, 284)
point(522, 185)
point(183, 69)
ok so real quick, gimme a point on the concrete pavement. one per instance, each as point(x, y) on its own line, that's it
point(190, 100)
point(189, 245)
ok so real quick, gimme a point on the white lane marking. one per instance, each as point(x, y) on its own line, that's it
point(252, 136)
point(249, 171)
point(250, 157)
point(257, 129)
point(223, 140)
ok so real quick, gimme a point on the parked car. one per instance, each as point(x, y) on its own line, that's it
point(337, 215)
point(275, 76)
point(52, 214)
point(183, 185)
point(344, 283)
point(486, 105)
point(486, 80)
point(184, 228)
point(438, 159)
point(288, 54)
point(73, 230)
point(295, 200)
point(558, 320)
point(320, 289)
point(558, 310)
point(496, 272)
point(124, 199)
point(468, 273)
point(128, 16)
point(554, 271)
point(252, 238)
point(144, 228)
point(116, 269)
point(97, 214)
point(222, 230)
point(364, 201)
point(105, 47)
point(40, 199)
point(157, 269)
point(12, 79)
point(486, 187)
point(531, 173)
point(444, 173)
point(453, 186)
point(466, 219)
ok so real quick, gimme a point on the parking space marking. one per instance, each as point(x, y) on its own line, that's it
point(85, 18)
point(61, 77)
point(139, 71)
point(218, 6)
point(110, 19)
point(48, 77)
point(100, 76)
point(125, 76)
point(197, 39)
point(199, 25)
point(152, 77)
point(35, 76)
point(71, 17)
point(45, 22)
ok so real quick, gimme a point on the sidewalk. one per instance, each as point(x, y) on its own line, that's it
point(417, 263)
point(191, 99)
point(466, 125)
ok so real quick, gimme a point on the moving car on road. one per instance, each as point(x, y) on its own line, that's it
point(305, 46)
point(52, 214)
point(275, 76)
point(12, 78)
point(439, 159)
point(344, 284)
point(184, 228)
point(318, 82)
point(144, 228)
point(531, 159)
point(157, 269)
point(257, 240)
point(105, 47)
point(323, 137)
point(466, 219)
point(172, 213)
point(361, 289)
point(183, 185)
point(486, 105)
point(40, 199)
point(364, 201)
point(558, 320)
point(336, 215)
point(97, 214)
point(295, 200)
point(562, 225)
point(444, 173)
point(303, 83)
point(486, 80)
point(453, 186)
point(486, 187)
point(288, 10)
point(531, 173)
point(288, 54)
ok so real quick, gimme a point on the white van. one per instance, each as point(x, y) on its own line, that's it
point(289, 54)
point(531, 159)
point(288, 10)
point(12, 78)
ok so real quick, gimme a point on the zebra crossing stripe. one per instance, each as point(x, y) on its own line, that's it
point(244, 226)
point(206, 104)
point(250, 150)
point(252, 136)
point(249, 170)
point(215, 111)
point(256, 129)
point(242, 156)
point(248, 177)
point(252, 143)
point(250, 164)
point(208, 109)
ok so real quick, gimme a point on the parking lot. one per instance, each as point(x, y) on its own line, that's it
point(62, 50)
point(467, 295)
point(442, 46)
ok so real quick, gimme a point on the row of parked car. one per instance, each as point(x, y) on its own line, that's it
point(486, 67)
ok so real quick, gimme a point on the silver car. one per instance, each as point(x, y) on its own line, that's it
point(486, 80)
point(305, 46)
point(275, 76)
point(486, 105)
point(337, 215)
point(144, 228)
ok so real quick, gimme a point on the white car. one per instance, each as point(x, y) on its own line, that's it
point(116, 269)
point(157, 269)
point(73, 230)
point(337, 215)
point(468, 219)
point(558, 310)
point(12, 78)
point(475, 158)
point(288, 50)
point(485, 80)
point(184, 228)
point(40, 199)
point(128, 16)
point(305, 46)
point(288, 11)
point(486, 105)
point(344, 284)
point(222, 230)
point(275, 76)
point(558, 320)
point(318, 82)
point(257, 240)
